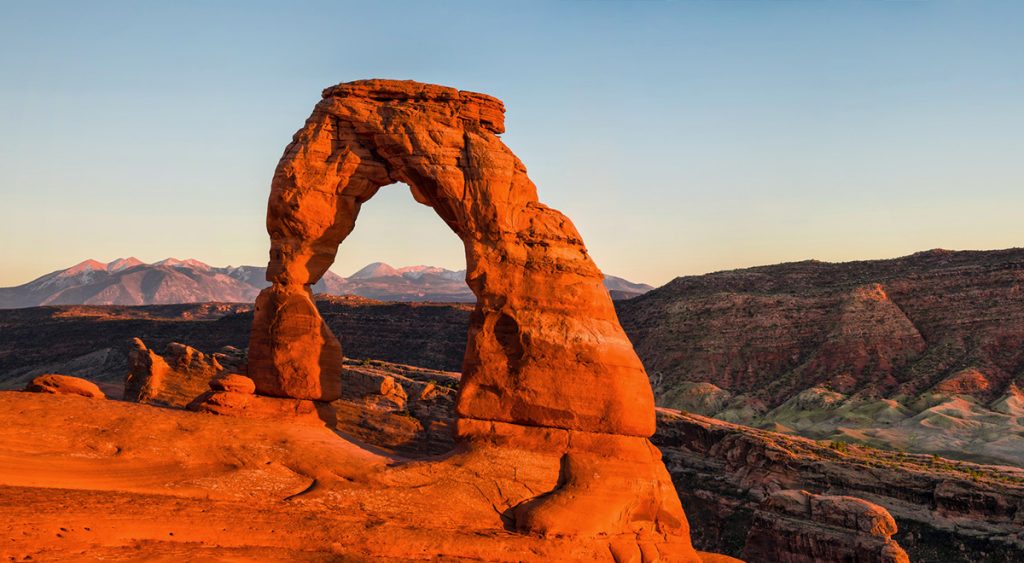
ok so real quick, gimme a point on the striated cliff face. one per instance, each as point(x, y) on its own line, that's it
point(946, 510)
point(924, 352)
point(794, 526)
point(886, 326)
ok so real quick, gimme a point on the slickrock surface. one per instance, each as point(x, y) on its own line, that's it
point(547, 369)
point(64, 385)
point(799, 527)
point(84, 479)
point(947, 511)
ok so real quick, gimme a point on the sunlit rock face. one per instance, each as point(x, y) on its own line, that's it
point(547, 366)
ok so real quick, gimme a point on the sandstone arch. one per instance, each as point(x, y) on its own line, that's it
point(547, 365)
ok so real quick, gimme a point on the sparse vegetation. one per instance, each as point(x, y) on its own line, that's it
point(839, 446)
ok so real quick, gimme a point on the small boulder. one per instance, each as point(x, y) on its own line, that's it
point(64, 385)
point(233, 382)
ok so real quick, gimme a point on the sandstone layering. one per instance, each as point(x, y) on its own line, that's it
point(547, 367)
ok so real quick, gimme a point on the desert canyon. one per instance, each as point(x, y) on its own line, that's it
point(860, 412)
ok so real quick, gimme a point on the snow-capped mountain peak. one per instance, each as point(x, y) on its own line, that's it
point(89, 265)
point(187, 263)
point(375, 270)
point(124, 264)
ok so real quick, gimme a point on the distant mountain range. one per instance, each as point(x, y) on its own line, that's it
point(129, 281)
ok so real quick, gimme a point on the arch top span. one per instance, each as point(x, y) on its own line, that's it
point(486, 110)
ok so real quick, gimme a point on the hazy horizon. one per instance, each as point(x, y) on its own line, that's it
point(680, 138)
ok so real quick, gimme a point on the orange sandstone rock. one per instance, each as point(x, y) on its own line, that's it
point(233, 403)
point(233, 382)
point(234, 395)
point(292, 352)
point(173, 379)
point(547, 366)
point(64, 385)
point(545, 346)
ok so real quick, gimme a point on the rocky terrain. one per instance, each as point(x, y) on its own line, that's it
point(93, 479)
point(750, 493)
point(946, 510)
point(931, 366)
point(129, 281)
point(923, 353)
point(547, 367)
point(93, 341)
point(738, 483)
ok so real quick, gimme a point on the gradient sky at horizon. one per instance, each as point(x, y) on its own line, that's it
point(680, 137)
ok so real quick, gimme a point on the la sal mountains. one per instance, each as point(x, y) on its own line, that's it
point(129, 281)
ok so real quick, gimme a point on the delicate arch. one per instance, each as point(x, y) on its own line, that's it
point(547, 369)
point(545, 347)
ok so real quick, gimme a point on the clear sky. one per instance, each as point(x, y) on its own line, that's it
point(680, 137)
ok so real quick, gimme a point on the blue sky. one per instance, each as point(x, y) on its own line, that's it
point(681, 137)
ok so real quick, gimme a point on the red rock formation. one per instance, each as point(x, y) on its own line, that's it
point(176, 377)
point(293, 352)
point(234, 395)
point(547, 366)
point(799, 527)
point(64, 385)
point(888, 328)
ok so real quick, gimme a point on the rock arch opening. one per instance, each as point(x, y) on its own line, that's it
point(393, 232)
